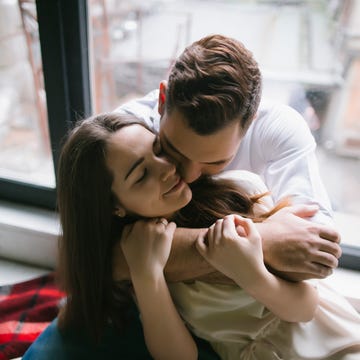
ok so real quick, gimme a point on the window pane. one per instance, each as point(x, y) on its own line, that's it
point(25, 153)
point(308, 51)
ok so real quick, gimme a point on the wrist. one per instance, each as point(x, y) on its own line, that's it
point(264, 229)
point(148, 276)
point(261, 283)
point(254, 280)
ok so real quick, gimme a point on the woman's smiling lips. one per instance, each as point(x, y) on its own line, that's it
point(175, 187)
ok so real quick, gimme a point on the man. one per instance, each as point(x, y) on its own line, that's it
point(209, 119)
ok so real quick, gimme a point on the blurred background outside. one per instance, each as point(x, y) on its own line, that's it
point(308, 51)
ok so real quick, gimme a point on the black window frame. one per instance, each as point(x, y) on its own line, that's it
point(63, 32)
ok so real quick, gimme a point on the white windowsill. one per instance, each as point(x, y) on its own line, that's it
point(28, 234)
point(28, 241)
point(12, 272)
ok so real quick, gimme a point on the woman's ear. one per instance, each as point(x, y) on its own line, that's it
point(162, 97)
point(119, 211)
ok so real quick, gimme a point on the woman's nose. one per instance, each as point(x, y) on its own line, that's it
point(167, 169)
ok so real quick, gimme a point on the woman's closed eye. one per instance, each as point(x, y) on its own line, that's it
point(142, 177)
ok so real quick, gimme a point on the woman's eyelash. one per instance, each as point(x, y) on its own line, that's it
point(142, 177)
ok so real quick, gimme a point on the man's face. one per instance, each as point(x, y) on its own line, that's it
point(198, 154)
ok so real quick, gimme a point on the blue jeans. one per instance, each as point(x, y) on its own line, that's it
point(71, 345)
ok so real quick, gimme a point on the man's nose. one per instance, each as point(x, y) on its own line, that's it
point(190, 171)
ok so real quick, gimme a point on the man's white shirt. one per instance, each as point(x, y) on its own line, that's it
point(278, 146)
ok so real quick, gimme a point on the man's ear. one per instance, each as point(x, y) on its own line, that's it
point(119, 211)
point(162, 97)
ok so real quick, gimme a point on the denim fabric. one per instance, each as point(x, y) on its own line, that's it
point(52, 344)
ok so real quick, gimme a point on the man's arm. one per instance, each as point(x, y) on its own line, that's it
point(296, 248)
point(184, 263)
point(296, 255)
point(293, 245)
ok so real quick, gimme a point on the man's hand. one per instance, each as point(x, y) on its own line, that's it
point(296, 248)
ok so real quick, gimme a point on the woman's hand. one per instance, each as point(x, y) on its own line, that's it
point(238, 255)
point(146, 246)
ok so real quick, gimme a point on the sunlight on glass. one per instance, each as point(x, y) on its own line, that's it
point(25, 153)
point(308, 51)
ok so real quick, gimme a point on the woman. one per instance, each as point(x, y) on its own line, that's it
point(113, 177)
point(91, 182)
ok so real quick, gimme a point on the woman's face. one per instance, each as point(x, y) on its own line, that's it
point(145, 182)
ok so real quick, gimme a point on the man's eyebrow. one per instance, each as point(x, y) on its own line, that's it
point(134, 166)
point(173, 148)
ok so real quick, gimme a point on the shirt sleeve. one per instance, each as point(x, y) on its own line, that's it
point(144, 108)
point(288, 148)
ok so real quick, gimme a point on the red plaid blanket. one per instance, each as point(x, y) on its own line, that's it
point(26, 309)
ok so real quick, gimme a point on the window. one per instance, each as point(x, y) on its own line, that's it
point(25, 153)
point(308, 51)
point(27, 173)
point(97, 54)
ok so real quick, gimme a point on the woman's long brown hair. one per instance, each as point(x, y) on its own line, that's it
point(213, 198)
point(90, 230)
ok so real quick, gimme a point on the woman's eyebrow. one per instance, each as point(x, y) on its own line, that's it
point(134, 166)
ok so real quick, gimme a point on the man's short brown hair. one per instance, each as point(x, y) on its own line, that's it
point(214, 82)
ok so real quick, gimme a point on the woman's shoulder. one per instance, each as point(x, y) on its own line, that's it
point(252, 184)
point(246, 180)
